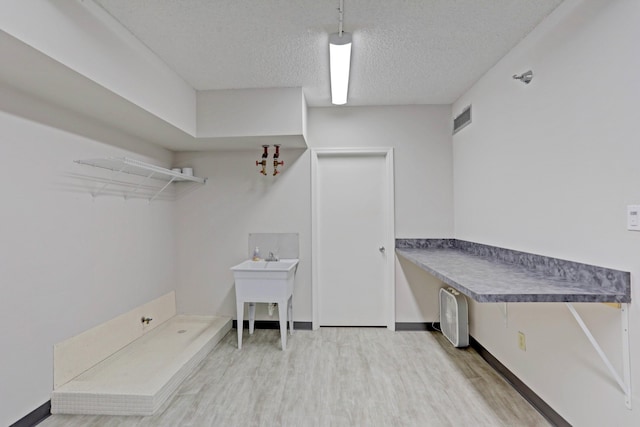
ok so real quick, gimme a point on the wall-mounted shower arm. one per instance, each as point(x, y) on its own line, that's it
point(525, 77)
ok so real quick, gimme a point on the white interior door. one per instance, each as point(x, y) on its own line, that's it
point(353, 239)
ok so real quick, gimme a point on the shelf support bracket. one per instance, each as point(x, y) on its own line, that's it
point(144, 181)
point(162, 189)
point(113, 177)
point(625, 381)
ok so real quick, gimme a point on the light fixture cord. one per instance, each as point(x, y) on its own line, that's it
point(340, 17)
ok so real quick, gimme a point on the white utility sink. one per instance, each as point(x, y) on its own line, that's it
point(265, 269)
point(265, 281)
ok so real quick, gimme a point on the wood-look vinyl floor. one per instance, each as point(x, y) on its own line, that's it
point(335, 377)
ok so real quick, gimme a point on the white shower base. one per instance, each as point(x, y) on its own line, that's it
point(139, 378)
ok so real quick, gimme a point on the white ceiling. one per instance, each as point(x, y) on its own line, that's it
point(404, 51)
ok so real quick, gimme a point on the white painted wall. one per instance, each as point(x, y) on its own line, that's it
point(421, 138)
point(549, 168)
point(84, 37)
point(250, 112)
point(67, 263)
point(214, 222)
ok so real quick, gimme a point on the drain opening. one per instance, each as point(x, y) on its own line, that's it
point(182, 331)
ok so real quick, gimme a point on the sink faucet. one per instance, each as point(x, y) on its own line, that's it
point(272, 257)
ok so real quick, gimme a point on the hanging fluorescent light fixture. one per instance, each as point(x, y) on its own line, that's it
point(339, 65)
point(339, 62)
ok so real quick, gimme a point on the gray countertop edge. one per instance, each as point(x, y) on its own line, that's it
point(515, 296)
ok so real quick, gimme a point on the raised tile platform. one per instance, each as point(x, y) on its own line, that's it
point(491, 274)
point(140, 377)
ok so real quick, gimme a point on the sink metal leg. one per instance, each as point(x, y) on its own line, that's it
point(282, 313)
point(290, 313)
point(240, 316)
point(252, 316)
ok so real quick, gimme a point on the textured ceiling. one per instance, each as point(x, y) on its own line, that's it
point(404, 51)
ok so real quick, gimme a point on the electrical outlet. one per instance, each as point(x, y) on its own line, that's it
point(633, 217)
point(522, 341)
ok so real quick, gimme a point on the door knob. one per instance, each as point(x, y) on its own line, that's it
point(381, 249)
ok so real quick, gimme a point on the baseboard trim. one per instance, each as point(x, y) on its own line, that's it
point(34, 417)
point(530, 396)
point(355, 326)
point(418, 326)
point(274, 324)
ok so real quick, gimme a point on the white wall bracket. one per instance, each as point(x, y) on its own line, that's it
point(111, 180)
point(625, 381)
point(140, 184)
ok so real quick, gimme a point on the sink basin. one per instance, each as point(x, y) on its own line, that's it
point(281, 265)
point(282, 269)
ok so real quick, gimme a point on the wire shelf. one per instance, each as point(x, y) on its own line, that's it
point(139, 168)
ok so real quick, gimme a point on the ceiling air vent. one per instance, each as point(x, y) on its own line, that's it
point(462, 120)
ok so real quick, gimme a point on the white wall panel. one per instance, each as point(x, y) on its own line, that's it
point(85, 38)
point(250, 112)
point(67, 262)
point(549, 168)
